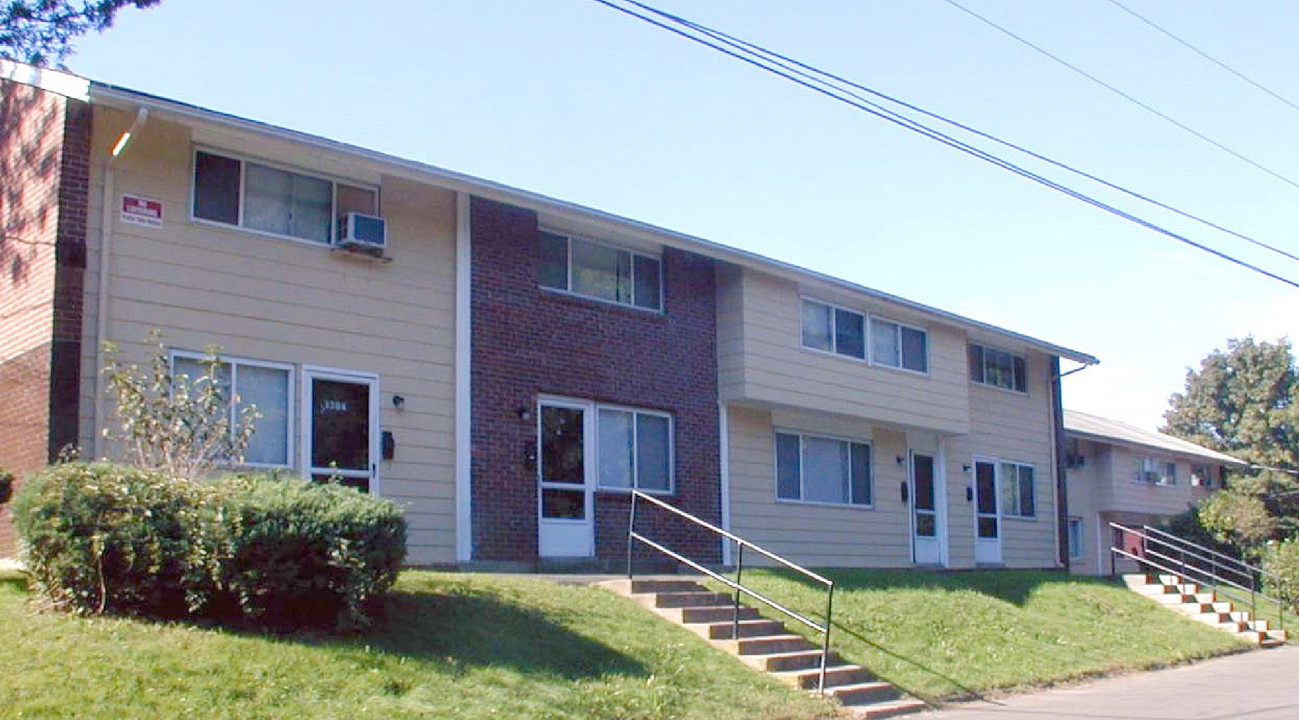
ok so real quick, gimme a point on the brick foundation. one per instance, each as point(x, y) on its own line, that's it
point(528, 341)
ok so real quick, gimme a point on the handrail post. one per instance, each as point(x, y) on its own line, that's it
point(631, 532)
point(739, 572)
point(825, 647)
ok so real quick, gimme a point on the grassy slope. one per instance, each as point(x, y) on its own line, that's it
point(455, 646)
point(951, 635)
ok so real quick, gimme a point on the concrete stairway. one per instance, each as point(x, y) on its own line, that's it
point(1194, 602)
point(765, 644)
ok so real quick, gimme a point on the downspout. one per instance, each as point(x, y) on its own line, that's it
point(1058, 453)
point(724, 460)
point(105, 268)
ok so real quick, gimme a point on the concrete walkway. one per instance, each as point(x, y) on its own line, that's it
point(1258, 685)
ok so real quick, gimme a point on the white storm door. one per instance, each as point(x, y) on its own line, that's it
point(565, 465)
point(341, 428)
point(987, 520)
point(925, 516)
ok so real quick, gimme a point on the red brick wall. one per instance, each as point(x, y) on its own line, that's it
point(45, 170)
point(528, 341)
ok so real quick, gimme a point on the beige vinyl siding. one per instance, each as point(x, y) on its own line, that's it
point(1013, 427)
point(762, 360)
point(816, 535)
point(271, 299)
point(1117, 490)
point(1082, 488)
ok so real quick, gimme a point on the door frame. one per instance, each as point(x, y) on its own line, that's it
point(588, 470)
point(996, 495)
point(314, 372)
point(936, 448)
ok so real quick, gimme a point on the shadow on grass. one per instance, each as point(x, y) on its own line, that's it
point(964, 693)
point(1012, 586)
point(479, 629)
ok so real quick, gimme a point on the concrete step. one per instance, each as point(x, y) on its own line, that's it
point(1214, 618)
point(1167, 579)
point(878, 711)
point(710, 614)
point(834, 675)
point(1278, 635)
point(665, 586)
point(863, 693)
point(691, 599)
point(1171, 598)
point(796, 660)
point(748, 628)
point(770, 645)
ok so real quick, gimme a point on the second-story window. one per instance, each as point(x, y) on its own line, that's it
point(273, 200)
point(607, 273)
point(1155, 472)
point(833, 329)
point(898, 346)
point(998, 368)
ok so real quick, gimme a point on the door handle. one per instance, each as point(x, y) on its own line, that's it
point(906, 492)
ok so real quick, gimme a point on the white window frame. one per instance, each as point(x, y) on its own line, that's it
point(1205, 476)
point(635, 449)
point(802, 492)
point(984, 370)
point(568, 257)
point(318, 372)
point(898, 336)
point(234, 362)
point(867, 336)
point(1075, 552)
point(1139, 474)
point(1013, 513)
point(243, 160)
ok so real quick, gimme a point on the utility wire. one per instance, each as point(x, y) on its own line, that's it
point(1201, 53)
point(1125, 96)
point(938, 136)
point(799, 67)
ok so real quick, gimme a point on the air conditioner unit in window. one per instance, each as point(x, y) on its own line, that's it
point(362, 232)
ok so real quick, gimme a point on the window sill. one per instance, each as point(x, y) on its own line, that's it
point(579, 299)
point(861, 361)
point(814, 503)
point(1020, 518)
point(627, 491)
point(241, 230)
point(996, 388)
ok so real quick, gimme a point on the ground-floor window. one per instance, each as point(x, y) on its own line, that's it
point(811, 468)
point(247, 383)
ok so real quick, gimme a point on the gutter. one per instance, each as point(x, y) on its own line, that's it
point(105, 269)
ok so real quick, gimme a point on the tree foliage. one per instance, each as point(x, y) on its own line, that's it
point(1244, 401)
point(40, 32)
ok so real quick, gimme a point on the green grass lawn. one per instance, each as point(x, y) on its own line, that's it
point(450, 646)
point(954, 635)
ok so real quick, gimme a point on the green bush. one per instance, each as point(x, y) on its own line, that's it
point(1282, 561)
point(100, 537)
point(292, 553)
point(6, 486)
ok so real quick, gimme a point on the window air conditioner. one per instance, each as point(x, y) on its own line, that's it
point(361, 231)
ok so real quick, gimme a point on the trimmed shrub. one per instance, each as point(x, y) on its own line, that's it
point(101, 538)
point(6, 486)
point(291, 553)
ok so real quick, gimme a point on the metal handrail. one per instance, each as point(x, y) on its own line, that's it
point(1211, 551)
point(1185, 570)
point(735, 584)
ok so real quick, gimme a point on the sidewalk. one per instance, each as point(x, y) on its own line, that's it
point(1257, 685)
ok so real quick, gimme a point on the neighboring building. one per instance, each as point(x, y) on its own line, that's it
point(508, 365)
point(1126, 475)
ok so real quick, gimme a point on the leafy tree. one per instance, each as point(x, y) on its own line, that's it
point(1244, 401)
point(40, 32)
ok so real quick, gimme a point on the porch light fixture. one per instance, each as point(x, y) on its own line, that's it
point(902, 460)
point(398, 402)
point(525, 413)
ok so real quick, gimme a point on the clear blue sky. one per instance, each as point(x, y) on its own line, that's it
point(571, 99)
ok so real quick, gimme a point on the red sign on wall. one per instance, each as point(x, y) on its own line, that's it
point(141, 211)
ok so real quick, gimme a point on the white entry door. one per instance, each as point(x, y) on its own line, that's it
point(565, 524)
point(926, 519)
point(987, 519)
point(341, 427)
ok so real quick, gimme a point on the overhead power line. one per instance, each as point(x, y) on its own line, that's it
point(761, 58)
point(1144, 106)
point(799, 68)
point(1201, 53)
